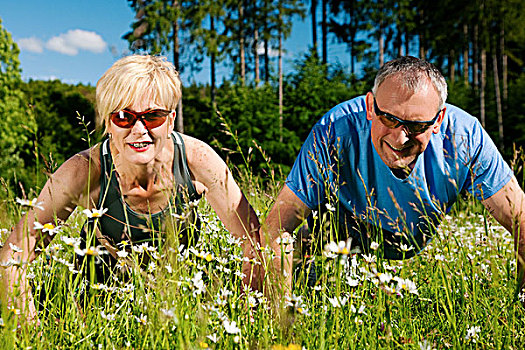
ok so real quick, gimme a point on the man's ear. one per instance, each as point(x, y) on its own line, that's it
point(437, 126)
point(369, 105)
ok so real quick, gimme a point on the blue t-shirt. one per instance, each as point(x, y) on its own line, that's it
point(338, 160)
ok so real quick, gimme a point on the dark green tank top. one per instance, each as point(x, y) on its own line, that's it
point(120, 222)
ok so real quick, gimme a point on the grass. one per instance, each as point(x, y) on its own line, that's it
point(464, 297)
point(460, 292)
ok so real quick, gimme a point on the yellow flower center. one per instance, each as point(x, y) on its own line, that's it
point(49, 226)
point(345, 251)
point(209, 257)
point(96, 214)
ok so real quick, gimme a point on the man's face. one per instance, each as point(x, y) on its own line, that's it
point(398, 147)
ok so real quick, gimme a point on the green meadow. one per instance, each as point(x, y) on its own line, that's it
point(460, 292)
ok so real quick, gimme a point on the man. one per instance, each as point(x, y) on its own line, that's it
point(387, 166)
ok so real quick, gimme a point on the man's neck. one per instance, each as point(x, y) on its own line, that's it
point(403, 173)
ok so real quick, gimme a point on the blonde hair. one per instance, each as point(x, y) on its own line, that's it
point(133, 77)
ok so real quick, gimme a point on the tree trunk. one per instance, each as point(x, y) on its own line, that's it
point(212, 68)
point(421, 35)
point(313, 10)
point(465, 55)
point(504, 64)
point(452, 66)
point(475, 59)
point(498, 98)
point(256, 55)
point(241, 43)
point(325, 32)
point(179, 124)
point(482, 87)
point(381, 45)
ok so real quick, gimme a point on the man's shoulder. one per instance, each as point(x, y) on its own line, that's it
point(352, 111)
point(458, 120)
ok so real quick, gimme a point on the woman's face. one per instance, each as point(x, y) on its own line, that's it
point(138, 144)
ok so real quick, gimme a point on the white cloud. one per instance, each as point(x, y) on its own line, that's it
point(271, 51)
point(31, 44)
point(74, 40)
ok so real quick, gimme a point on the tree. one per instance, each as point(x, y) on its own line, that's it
point(17, 125)
point(347, 22)
point(157, 29)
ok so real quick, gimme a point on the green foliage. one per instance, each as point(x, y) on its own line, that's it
point(58, 110)
point(16, 123)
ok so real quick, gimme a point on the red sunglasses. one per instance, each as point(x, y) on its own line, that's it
point(151, 118)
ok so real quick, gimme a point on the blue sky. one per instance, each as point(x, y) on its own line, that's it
point(77, 40)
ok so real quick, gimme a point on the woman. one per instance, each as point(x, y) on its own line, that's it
point(142, 173)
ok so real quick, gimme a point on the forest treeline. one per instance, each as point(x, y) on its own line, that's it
point(478, 45)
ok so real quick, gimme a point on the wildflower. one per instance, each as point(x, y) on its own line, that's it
point(405, 248)
point(10, 262)
point(384, 278)
point(122, 254)
point(252, 301)
point(342, 248)
point(70, 241)
point(472, 333)
point(439, 257)
point(89, 251)
point(369, 258)
point(203, 345)
point(168, 268)
point(143, 319)
point(230, 327)
point(296, 302)
point(374, 245)
point(99, 286)
point(182, 217)
point(330, 207)
point(338, 301)
point(408, 285)
point(352, 282)
point(151, 267)
point(285, 241)
point(109, 317)
point(30, 203)
point(15, 249)
point(139, 249)
point(49, 228)
point(425, 345)
point(213, 337)
point(94, 213)
point(239, 274)
point(168, 313)
point(198, 284)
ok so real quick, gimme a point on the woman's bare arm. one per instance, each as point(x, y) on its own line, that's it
point(63, 191)
point(226, 198)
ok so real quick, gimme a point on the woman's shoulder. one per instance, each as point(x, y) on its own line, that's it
point(201, 157)
point(84, 166)
point(196, 150)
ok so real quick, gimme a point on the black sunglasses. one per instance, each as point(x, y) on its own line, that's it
point(412, 127)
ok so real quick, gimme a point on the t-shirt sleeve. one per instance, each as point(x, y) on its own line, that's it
point(311, 172)
point(488, 170)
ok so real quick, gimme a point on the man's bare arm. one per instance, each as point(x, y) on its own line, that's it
point(286, 214)
point(507, 206)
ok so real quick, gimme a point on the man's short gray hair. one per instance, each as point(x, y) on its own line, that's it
point(414, 72)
